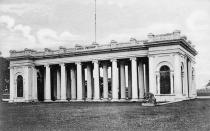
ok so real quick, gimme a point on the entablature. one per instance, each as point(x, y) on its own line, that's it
point(163, 41)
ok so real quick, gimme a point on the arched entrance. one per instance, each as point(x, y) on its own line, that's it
point(19, 86)
point(165, 84)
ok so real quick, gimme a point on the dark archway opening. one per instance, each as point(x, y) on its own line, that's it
point(19, 86)
point(165, 84)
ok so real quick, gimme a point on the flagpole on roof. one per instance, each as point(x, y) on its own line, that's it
point(95, 21)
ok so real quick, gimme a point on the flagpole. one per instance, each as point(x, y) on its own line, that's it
point(95, 21)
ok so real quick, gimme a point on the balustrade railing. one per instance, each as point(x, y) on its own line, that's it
point(113, 44)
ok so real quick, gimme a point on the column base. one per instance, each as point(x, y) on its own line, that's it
point(96, 100)
point(79, 100)
point(11, 101)
point(47, 100)
point(62, 100)
point(122, 99)
point(89, 99)
point(73, 100)
point(105, 99)
point(134, 99)
point(115, 99)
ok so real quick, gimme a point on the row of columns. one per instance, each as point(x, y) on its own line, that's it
point(77, 80)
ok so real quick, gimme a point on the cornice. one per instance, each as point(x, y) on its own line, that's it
point(180, 42)
point(83, 53)
point(174, 38)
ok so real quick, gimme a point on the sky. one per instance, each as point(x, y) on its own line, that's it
point(40, 24)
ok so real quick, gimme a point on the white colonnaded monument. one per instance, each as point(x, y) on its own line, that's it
point(163, 65)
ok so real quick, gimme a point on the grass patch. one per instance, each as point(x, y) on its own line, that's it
point(186, 115)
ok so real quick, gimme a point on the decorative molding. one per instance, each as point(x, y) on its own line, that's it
point(162, 37)
point(95, 61)
point(62, 64)
point(93, 48)
point(114, 60)
point(162, 63)
point(133, 58)
point(78, 63)
point(47, 65)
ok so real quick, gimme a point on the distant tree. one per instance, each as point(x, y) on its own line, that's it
point(208, 84)
point(4, 76)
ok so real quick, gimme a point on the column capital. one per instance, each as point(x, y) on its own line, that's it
point(133, 58)
point(78, 63)
point(47, 65)
point(95, 61)
point(33, 66)
point(113, 60)
point(62, 64)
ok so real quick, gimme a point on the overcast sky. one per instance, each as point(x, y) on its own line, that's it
point(54, 23)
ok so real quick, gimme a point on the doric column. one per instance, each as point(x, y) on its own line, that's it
point(115, 80)
point(27, 84)
point(105, 80)
point(34, 89)
point(63, 82)
point(83, 83)
point(79, 81)
point(189, 78)
point(47, 90)
point(89, 82)
point(129, 82)
point(151, 75)
point(134, 79)
point(122, 80)
point(58, 84)
point(158, 83)
point(172, 82)
point(185, 78)
point(11, 99)
point(194, 93)
point(96, 81)
point(141, 79)
point(177, 75)
point(73, 83)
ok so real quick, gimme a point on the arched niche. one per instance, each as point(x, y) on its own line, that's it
point(19, 86)
point(165, 78)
